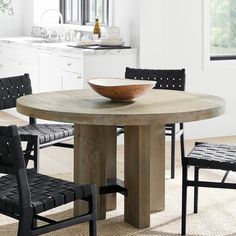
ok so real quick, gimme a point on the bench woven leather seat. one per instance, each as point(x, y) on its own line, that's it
point(217, 156)
point(46, 132)
point(46, 192)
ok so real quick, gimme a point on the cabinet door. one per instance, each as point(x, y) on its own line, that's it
point(21, 68)
point(71, 64)
point(10, 67)
point(50, 79)
point(71, 81)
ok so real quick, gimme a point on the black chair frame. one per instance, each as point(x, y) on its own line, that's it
point(19, 189)
point(204, 163)
point(14, 87)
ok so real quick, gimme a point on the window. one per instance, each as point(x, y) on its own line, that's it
point(223, 29)
point(84, 12)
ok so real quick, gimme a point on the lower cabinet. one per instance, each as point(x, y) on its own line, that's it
point(71, 80)
point(9, 67)
point(54, 70)
point(57, 73)
point(71, 72)
point(50, 79)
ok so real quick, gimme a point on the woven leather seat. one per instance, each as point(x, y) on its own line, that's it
point(24, 193)
point(46, 192)
point(217, 156)
point(46, 132)
point(210, 156)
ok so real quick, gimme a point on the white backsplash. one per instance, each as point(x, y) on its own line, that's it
point(65, 33)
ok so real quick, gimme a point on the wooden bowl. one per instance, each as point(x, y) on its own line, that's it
point(120, 89)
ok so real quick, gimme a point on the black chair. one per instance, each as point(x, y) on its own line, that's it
point(36, 135)
point(165, 79)
point(24, 193)
point(210, 156)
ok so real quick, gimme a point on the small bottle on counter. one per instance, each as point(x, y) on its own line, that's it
point(96, 30)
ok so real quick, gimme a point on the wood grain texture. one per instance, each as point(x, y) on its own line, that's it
point(87, 107)
point(144, 173)
point(157, 167)
point(110, 153)
point(137, 175)
point(93, 146)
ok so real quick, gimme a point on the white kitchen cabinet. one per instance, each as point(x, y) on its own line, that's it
point(58, 67)
point(9, 67)
point(107, 65)
point(18, 61)
point(71, 64)
point(50, 79)
point(71, 71)
point(71, 80)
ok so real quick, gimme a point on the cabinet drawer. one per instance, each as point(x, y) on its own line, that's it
point(71, 81)
point(71, 64)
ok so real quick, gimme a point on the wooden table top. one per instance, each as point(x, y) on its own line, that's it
point(87, 107)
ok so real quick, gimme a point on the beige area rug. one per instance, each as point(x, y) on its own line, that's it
point(216, 215)
point(217, 208)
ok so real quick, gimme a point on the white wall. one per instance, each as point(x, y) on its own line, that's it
point(171, 36)
point(28, 16)
point(126, 16)
point(26, 13)
point(12, 25)
point(40, 6)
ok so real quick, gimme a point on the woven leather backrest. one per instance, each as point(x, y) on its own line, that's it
point(165, 79)
point(11, 157)
point(12, 88)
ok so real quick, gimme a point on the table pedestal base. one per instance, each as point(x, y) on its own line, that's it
point(144, 173)
point(94, 153)
point(95, 162)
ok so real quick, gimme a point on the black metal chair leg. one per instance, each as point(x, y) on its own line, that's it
point(225, 176)
point(36, 153)
point(196, 178)
point(92, 209)
point(92, 228)
point(173, 151)
point(182, 149)
point(34, 223)
point(184, 199)
point(25, 223)
point(27, 151)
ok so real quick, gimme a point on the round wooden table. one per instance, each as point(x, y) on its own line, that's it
point(144, 120)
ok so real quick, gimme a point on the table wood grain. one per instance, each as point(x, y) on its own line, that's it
point(87, 107)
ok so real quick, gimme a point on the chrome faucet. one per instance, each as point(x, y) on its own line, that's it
point(57, 32)
point(55, 10)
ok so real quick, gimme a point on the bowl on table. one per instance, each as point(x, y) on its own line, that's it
point(120, 89)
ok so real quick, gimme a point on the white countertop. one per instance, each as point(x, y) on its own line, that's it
point(59, 47)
